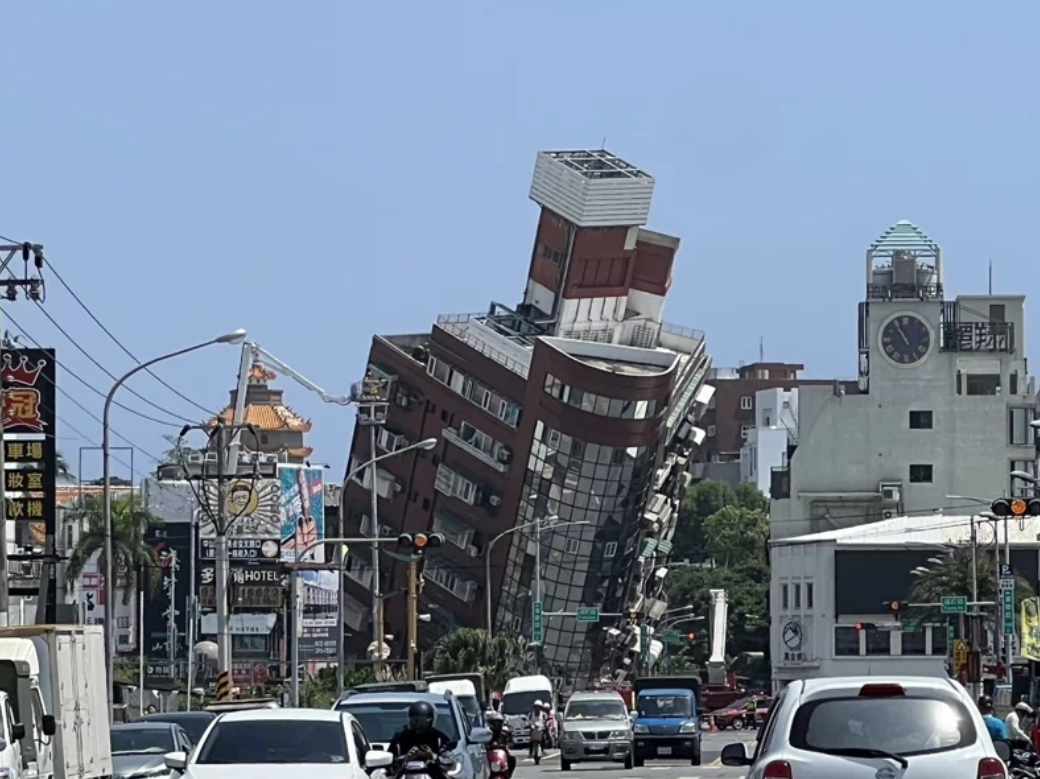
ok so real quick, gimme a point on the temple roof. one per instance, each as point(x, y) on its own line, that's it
point(302, 452)
point(258, 373)
point(266, 416)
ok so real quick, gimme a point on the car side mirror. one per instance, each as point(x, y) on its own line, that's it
point(735, 755)
point(480, 736)
point(377, 758)
point(17, 731)
point(48, 725)
point(176, 761)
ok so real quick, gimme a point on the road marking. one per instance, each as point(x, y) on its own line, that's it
point(545, 756)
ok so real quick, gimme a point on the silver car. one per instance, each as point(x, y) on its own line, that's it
point(595, 726)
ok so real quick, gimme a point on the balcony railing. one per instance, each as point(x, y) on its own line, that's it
point(978, 337)
point(452, 435)
point(455, 325)
point(904, 291)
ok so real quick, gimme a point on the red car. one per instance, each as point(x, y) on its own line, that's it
point(747, 712)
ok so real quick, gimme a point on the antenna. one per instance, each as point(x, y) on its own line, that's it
point(761, 348)
point(991, 277)
point(603, 146)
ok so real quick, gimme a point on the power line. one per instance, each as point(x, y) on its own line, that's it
point(118, 343)
point(87, 384)
point(83, 408)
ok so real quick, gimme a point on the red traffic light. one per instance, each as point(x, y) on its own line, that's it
point(865, 626)
point(691, 636)
point(1016, 507)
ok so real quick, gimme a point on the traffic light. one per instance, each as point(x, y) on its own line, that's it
point(691, 636)
point(1016, 507)
point(420, 542)
point(865, 626)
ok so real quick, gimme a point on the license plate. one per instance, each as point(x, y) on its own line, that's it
point(664, 750)
point(597, 747)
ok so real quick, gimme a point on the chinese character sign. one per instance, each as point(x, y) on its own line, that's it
point(302, 511)
point(29, 389)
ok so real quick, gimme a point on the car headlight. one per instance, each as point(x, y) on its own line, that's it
point(620, 734)
point(569, 735)
point(640, 728)
point(689, 727)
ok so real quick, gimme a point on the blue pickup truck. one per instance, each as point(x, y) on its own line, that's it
point(667, 724)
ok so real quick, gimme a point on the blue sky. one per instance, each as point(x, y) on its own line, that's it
point(319, 171)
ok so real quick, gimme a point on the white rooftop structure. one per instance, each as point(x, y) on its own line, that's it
point(924, 529)
point(592, 188)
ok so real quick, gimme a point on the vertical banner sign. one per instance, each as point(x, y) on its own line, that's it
point(29, 379)
point(1007, 599)
point(644, 646)
point(537, 624)
point(1030, 644)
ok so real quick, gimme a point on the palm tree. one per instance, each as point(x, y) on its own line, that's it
point(951, 575)
point(469, 650)
point(130, 523)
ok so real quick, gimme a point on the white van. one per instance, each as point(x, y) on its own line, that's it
point(518, 701)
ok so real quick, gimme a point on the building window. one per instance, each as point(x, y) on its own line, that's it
point(920, 474)
point(982, 384)
point(1019, 488)
point(745, 430)
point(913, 643)
point(783, 597)
point(1019, 431)
point(389, 441)
point(879, 642)
point(572, 545)
point(809, 596)
point(602, 405)
point(450, 483)
point(798, 596)
point(920, 420)
point(997, 312)
point(712, 430)
point(747, 403)
point(940, 640)
point(610, 549)
point(473, 391)
point(711, 403)
point(763, 373)
point(846, 641)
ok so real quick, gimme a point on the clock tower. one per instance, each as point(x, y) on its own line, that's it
point(901, 318)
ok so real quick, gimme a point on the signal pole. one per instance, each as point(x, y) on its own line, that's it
point(33, 286)
point(417, 545)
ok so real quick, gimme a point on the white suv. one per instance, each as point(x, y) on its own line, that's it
point(871, 727)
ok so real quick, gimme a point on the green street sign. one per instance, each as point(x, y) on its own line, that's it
point(671, 636)
point(588, 614)
point(951, 634)
point(537, 623)
point(954, 604)
point(1007, 607)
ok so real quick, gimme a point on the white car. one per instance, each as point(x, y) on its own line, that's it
point(871, 727)
point(247, 744)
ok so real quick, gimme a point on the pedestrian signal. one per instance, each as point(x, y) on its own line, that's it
point(1016, 507)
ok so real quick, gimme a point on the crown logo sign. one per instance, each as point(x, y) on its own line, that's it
point(20, 374)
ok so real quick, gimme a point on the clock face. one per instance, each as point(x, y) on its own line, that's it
point(906, 339)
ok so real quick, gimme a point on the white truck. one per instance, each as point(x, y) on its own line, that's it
point(518, 699)
point(55, 682)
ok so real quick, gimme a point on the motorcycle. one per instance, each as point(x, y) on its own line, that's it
point(1021, 763)
point(498, 759)
point(416, 765)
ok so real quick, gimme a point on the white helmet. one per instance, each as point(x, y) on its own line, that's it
point(538, 704)
point(1023, 708)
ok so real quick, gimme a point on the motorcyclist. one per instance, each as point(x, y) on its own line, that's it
point(501, 737)
point(419, 735)
point(1016, 722)
point(997, 729)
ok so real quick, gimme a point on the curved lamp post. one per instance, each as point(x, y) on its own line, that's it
point(424, 445)
point(106, 446)
point(555, 522)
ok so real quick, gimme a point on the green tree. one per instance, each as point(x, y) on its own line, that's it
point(954, 576)
point(702, 501)
point(469, 650)
point(130, 523)
point(734, 535)
point(62, 465)
point(178, 451)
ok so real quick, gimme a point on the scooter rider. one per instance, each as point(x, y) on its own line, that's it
point(501, 737)
point(421, 736)
point(995, 725)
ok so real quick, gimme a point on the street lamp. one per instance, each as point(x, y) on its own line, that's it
point(424, 445)
point(234, 337)
point(556, 522)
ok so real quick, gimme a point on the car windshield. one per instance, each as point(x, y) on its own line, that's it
point(663, 706)
point(596, 710)
point(193, 722)
point(274, 741)
point(128, 740)
point(381, 720)
point(515, 703)
point(900, 725)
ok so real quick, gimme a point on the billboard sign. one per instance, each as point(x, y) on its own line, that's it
point(302, 511)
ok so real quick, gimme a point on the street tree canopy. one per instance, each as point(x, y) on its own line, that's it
point(469, 650)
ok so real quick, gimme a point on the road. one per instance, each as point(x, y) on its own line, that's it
point(657, 769)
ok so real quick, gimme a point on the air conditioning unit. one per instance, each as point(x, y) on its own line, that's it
point(889, 514)
point(891, 491)
point(505, 455)
point(494, 500)
point(404, 400)
point(196, 458)
point(211, 457)
point(473, 550)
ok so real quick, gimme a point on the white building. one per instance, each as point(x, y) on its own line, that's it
point(943, 407)
point(817, 594)
point(768, 442)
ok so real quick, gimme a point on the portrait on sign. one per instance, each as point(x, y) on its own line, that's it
point(252, 507)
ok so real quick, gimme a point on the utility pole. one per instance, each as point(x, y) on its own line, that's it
point(33, 286)
point(372, 398)
point(413, 615)
point(171, 616)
